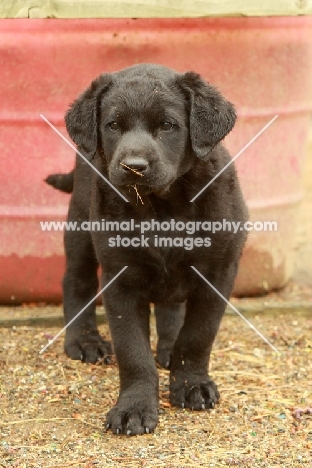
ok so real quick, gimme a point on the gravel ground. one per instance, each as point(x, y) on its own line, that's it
point(52, 408)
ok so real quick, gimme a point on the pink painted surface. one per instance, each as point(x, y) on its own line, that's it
point(263, 65)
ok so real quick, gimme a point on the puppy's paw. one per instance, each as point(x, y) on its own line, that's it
point(88, 347)
point(196, 394)
point(132, 418)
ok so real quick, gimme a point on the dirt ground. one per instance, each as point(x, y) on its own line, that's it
point(52, 409)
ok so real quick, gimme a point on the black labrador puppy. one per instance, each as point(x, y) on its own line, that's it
point(155, 135)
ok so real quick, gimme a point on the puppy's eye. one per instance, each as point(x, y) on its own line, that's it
point(113, 125)
point(166, 126)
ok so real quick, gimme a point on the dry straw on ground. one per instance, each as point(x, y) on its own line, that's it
point(52, 409)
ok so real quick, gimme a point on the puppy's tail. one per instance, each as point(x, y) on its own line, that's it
point(62, 182)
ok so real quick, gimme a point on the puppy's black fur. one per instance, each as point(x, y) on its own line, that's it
point(155, 134)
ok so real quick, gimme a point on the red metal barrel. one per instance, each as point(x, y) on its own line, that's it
point(263, 65)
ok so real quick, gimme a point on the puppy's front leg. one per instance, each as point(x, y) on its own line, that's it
point(190, 384)
point(136, 411)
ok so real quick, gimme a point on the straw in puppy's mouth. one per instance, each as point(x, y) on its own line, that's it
point(137, 193)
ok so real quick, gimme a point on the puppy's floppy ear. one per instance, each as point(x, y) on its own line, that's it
point(211, 116)
point(82, 117)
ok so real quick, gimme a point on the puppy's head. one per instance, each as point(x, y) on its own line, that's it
point(149, 123)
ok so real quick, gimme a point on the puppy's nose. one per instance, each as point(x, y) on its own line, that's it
point(134, 164)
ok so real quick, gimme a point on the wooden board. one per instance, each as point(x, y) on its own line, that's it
point(151, 8)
